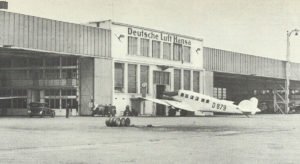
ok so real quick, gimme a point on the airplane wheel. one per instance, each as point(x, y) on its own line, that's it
point(122, 122)
point(117, 122)
point(112, 122)
point(107, 122)
point(127, 121)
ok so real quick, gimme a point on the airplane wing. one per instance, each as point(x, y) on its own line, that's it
point(158, 101)
point(180, 105)
point(174, 104)
point(6, 98)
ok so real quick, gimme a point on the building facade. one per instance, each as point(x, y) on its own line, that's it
point(161, 61)
point(105, 62)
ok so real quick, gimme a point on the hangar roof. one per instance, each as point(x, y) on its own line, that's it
point(218, 60)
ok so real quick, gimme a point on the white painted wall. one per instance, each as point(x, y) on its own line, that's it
point(119, 50)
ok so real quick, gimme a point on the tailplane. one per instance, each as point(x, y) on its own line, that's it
point(249, 106)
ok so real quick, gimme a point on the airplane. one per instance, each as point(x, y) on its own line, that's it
point(197, 102)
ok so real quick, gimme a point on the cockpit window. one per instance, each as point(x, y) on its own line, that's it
point(186, 96)
point(196, 98)
point(182, 94)
point(192, 97)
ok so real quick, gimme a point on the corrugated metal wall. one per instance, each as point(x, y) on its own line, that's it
point(295, 71)
point(55, 36)
point(237, 63)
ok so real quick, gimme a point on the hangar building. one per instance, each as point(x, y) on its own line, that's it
point(110, 63)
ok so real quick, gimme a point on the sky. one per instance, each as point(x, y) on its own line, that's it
point(254, 27)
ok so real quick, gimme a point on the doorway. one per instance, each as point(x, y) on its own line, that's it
point(160, 109)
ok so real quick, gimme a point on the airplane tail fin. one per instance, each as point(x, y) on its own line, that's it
point(249, 106)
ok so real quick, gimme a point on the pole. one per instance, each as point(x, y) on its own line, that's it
point(288, 65)
point(287, 83)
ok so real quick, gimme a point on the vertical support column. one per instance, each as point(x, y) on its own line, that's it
point(138, 46)
point(161, 50)
point(125, 77)
point(287, 73)
point(60, 68)
point(172, 54)
point(150, 86)
point(192, 80)
point(171, 79)
point(181, 78)
point(42, 95)
point(150, 48)
point(78, 86)
point(138, 78)
point(29, 99)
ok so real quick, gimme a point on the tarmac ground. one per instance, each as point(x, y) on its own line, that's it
point(220, 139)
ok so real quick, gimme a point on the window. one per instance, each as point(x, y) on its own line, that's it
point(119, 77)
point(155, 49)
point(19, 103)
point(52, 62)
point(177, 52)
point(182, 94)
point(196, 81)
point(5, 92)
point(132, 45)
point(196, 98)
point(144, 76)
point(68, 92)
point(187, 79)
point(19, 75)
point(36, 74)
point(186, 54)
point(52, 92)
point(132, 82)
point(192, 97)
point(19, 92)
point(52, 74)
point(34, 62)
point(73, 103)
point(5, 62)
point(5, 104)
point(160, 77)
point(53, 103)
point(202, 100)
point(144, 47)
point(220, 93)
point(207, 101)
point(186, 96)
point(69, 61)
point(177, 79)
point(19, 62)
point(69, 74)
point(167, 51)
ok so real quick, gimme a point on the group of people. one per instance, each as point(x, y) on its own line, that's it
point(129, 112)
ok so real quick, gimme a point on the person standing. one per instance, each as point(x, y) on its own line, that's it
point(67, 110)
